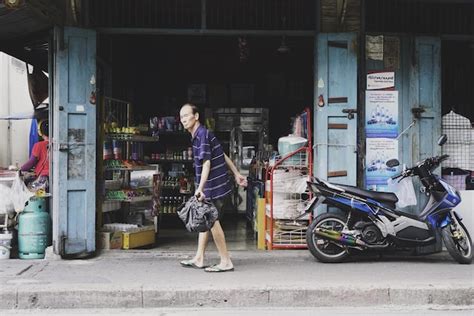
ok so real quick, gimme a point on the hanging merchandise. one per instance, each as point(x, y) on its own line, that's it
point(243, 49)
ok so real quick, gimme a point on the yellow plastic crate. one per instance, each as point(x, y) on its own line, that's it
point(139, 238)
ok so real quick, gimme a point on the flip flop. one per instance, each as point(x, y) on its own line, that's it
point(190, 264)
point(215, 268)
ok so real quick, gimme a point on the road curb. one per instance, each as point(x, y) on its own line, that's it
point(137, 296)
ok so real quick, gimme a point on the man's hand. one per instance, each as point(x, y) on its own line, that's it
point(241, 180)
point(200, 195)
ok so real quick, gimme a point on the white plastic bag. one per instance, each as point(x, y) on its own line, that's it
point(5, 199)
point(20, 194)
point(404, 191)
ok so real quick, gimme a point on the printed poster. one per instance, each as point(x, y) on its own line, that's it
point(381, 80)
point(381, 118)
point(378, 152)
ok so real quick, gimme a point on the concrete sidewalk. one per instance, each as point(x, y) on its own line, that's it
point(154, 278)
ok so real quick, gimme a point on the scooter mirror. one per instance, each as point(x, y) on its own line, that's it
point(392, 163)
point(442, 139)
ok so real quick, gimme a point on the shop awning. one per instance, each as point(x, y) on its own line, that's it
point(18, 116)
point(24, 30)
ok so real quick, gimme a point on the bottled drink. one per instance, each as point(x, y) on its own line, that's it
point(166, 205)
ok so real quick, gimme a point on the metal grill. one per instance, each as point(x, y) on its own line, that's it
point(117, 111)
point(460, 148)
point(261, 14)
point(404, 16)
point(188, 14)
point(146, 13)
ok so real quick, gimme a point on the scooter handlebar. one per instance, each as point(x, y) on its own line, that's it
point(404, 174)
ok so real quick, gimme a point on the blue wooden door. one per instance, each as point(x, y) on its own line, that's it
point(335, 127)
point(423, 97)
point(74, 142)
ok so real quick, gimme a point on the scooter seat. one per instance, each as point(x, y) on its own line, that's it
point(382, 197)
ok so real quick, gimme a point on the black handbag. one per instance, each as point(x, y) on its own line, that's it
point(198, 216)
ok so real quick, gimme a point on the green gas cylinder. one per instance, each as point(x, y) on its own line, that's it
point(34, 229)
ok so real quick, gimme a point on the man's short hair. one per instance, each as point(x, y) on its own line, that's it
point(194, 108)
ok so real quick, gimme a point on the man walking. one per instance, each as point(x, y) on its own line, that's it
point(212, 182)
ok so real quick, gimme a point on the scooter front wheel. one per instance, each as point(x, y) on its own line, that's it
point(458, 242)
point(324, 250)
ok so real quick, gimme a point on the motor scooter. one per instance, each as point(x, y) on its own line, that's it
point(369, 220)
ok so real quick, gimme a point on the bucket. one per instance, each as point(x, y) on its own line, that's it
point(5, 242)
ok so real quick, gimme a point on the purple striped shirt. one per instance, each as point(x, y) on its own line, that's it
point(207, 147)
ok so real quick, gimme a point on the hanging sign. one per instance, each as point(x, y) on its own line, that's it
point(381, 114)
point(378, 152)
point(374, 47)
point(380, 80)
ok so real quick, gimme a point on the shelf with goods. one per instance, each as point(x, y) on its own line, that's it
point(287, 196)
point(128, 188)
point(174, 158)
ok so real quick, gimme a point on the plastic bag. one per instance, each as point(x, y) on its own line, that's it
point(6, 205)
point(39, 186)
point(404, 191)
point(198, 216)
point(20, 194)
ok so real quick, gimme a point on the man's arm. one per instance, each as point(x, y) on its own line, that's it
point(240, 179)
point(206, 169)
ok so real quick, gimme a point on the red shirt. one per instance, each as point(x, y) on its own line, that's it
point(40, 151)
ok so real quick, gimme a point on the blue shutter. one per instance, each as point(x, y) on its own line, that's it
point(424, 91)
point(74, 142)
point(335, 134)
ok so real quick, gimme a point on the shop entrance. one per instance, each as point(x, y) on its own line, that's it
point(245, 80)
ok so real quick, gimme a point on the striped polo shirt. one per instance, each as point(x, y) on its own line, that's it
point(207, 147)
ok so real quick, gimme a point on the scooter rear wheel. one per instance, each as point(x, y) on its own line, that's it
point(324, 250)
point(458, 242)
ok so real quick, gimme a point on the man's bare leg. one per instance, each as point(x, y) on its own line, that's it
point(202, 245)
point(219, 240)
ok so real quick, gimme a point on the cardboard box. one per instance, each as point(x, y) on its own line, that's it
point(142, 237)
point(110, 240)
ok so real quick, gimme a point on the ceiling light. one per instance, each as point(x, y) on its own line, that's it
point(12, 4)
